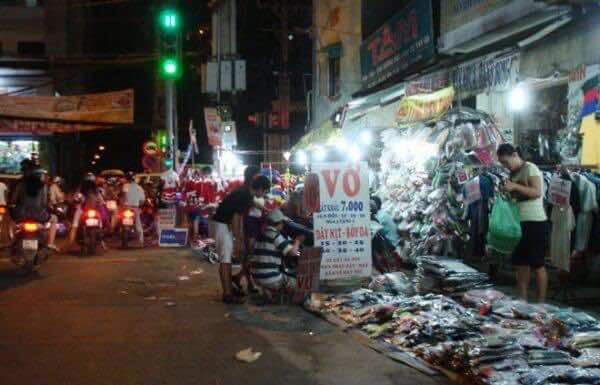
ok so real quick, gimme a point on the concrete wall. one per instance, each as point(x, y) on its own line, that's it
point(564, 50)
point(337, 21)
point(20, 23)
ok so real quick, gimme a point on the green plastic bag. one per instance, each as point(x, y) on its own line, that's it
point(505, 226)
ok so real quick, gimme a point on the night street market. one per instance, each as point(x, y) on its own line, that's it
point(317, 192)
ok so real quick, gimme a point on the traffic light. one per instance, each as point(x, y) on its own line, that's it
point(170, 44)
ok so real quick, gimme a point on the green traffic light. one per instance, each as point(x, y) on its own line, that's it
point(169, 19)
point(170, 68)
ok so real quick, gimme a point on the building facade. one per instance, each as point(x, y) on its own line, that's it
point(336, 57)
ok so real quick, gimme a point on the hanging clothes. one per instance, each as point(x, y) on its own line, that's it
point(478, 215)
point(590, 125)
point(589, 205)
point(563, 224)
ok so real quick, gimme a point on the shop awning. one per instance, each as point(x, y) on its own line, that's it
point(325, 134)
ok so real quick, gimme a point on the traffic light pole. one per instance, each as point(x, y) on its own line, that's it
point(170, 107)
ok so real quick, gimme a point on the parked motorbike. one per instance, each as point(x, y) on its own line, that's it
point(128, 231)
point(90, 232)
point(30, 248)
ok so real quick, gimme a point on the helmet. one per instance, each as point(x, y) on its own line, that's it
point(26, 165)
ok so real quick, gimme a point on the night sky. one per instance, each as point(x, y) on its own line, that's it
point(129, 28)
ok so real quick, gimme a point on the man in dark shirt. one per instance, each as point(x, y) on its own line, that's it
point(226, 229)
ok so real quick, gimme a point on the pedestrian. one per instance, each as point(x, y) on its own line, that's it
point(226, 228)
point(274, 256)
point(252, 225)
point(526, 186)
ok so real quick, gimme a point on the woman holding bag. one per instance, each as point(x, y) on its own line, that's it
point(526, 186)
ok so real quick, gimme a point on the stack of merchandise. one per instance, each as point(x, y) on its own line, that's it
point(421, 166)
point(505, 342)
point(447, 276)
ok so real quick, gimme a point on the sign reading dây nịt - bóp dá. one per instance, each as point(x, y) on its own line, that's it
point(342, 224)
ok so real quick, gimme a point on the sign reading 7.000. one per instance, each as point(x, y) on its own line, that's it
point(342, 225)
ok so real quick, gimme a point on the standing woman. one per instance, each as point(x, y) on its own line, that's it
point(526, 186)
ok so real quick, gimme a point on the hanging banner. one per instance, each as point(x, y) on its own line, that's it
point(42, 127)
point(342, 226)
point(485, 73)
point(110, 107)
point(404, 40)
point(213, 126)
point(426, 106)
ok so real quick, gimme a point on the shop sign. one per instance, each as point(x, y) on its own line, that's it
point(173, 238)
point(150, 148)
point(166, 218)
point(342, 225)
point(44, 127)
point(404, 40)
point(560, 191)
point(213, 126)
point(308, 272)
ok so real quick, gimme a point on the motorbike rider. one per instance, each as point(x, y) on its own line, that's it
point(92, 199)
point(133, 197)
point(30, 198)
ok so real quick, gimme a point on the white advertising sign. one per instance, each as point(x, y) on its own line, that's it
point(166, 218)
point(342, 226)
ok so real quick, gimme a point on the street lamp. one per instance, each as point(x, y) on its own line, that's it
point(101, 148)
point(96, 156)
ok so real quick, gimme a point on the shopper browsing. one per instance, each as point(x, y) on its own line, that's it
point(227, 230)
point(526, 186)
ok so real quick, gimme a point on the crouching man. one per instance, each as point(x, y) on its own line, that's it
point(273, 252)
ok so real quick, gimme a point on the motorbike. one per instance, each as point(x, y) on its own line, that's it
point(128, 230)
point(29, 249)
point(90, 232)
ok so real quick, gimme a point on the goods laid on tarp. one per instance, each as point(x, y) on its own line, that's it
point(482, 334)
point(423, 172)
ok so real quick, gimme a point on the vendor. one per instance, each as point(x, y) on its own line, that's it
point(526, 186)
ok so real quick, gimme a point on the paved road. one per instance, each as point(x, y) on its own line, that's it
point(106, 320)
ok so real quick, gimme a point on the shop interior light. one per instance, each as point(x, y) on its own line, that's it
point(319, 153)
point(287, 155)
point(341, 144)
point(366, 138)
point(354, 153)
point(301, 157)
point(518, 98)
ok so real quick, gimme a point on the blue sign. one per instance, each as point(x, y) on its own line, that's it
point(404, 40)
point(173, 237)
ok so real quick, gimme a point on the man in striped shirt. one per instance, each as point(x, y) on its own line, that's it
point(271, 249)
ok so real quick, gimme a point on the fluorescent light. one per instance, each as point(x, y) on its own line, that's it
point(394, 95)
point(518, 98)
point(287, 155)
point(319, 153)
point(301, 157)
point(366, 137)
point(354, 153)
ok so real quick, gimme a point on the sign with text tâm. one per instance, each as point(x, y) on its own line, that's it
point(342, 225)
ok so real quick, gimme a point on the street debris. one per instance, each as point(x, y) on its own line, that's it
point(227, 315)
point(124, 292)
point(151, 298)
point(247, 356)
point(184, 278)
point(197, 272)
point(170, 304)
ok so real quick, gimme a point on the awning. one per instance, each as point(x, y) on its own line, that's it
point(325, 134)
